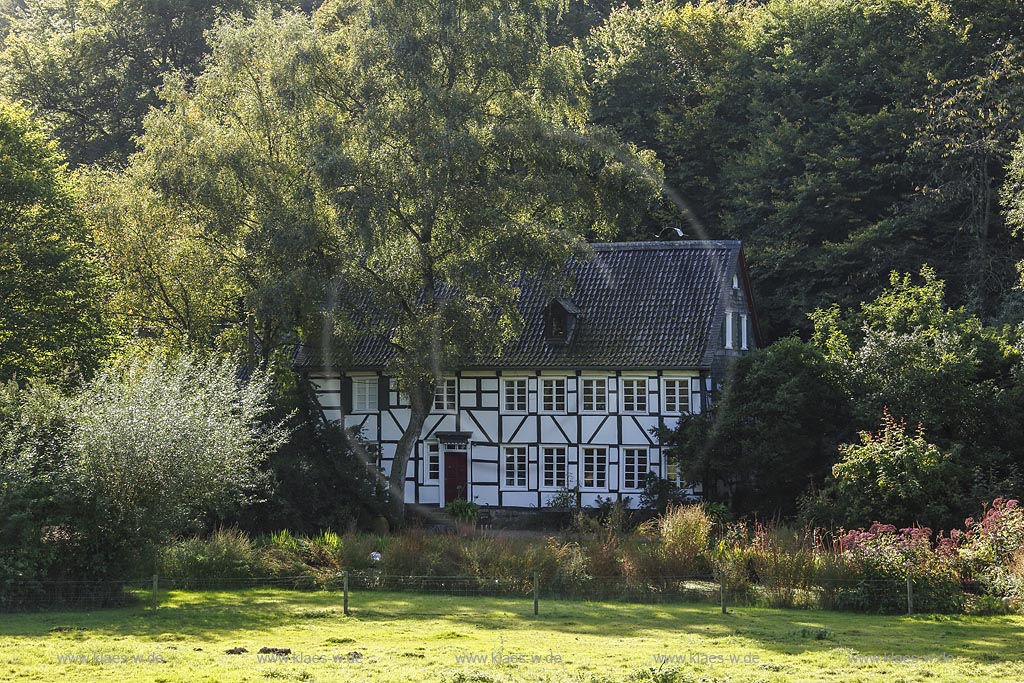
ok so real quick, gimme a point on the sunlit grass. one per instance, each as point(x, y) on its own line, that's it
point(417, 637)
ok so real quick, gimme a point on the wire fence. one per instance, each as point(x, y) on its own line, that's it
point(526, 593)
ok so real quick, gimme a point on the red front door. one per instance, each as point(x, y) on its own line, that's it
point(454, 475)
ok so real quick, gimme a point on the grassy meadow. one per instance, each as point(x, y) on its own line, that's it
point(416, 637)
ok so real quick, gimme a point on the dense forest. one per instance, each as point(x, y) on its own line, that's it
point(185, 179)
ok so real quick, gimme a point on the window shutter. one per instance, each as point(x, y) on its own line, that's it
point(383, 391)
point(346, 395)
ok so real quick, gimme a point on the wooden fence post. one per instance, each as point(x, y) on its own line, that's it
point(156, 588)
point(721, 590)
point(344, 583)
point(536, 594)
point(910, 595)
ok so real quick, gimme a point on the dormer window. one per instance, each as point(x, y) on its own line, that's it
point(560, 320)
point(557, 326)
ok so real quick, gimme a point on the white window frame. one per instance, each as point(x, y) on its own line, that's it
point(365, 391)
point(554, 406)
point(671, 469)
point(632, 456)
point(640, 399)
point(743, 332)
point(403, 398)
point(600, 386)
point(592, 456)
point(728, 329)
point(515, 384)
point(446, 393)
point(681, 395)
point(432, 466)
point(516, 461)
point(554, 454)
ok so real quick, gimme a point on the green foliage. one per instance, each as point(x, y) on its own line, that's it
point(165, 281)
point(93, 481)
point(684, 532)
point(770, 432)
point(840, 141)
point(91, 69)
point(659, 494)
point(462, 510)
point(882, 556)
point(475, 163)
point(908, 353)
point(893, 475)
point(320, 478)
point(50, 285)
point(224, 554)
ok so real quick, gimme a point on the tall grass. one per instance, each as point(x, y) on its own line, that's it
point(774, 565)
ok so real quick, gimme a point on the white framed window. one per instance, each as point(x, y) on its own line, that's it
point(634, 395)
point(515, 467)
point(515, 395)
point(735, 281)
point(595, 467)
point(677, 395)
point(433, 462)
point(554, 467)
point(634, 467)
point(672, 471)
point(364, 394)
point(444, 394)
point(402, 398)
point(595, 394)
point(728, 330)
point(743, 332)
point(553, 394)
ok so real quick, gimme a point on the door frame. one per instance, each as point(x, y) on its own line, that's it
point(445, 450)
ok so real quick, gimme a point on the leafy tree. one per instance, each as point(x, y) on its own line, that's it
point(50, 287)
point(909, 352)
point(158, 446)
point(891, 475)
point(806, 129)
point(320, 479)
point(666, 76)
point(429, 154)
point(90, 68)
point(770, 433)
point(92, 480)
point(962, 150)
point(231, 156)
point(165, 281)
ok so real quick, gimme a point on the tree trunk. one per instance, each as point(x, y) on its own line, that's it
point(420, 398)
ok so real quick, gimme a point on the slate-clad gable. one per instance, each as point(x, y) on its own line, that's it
point(640, 304)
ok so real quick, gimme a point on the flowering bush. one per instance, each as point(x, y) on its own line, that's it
point(991, 552)
point(881, 558)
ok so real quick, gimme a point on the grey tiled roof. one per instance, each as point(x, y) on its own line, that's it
point(641, 305)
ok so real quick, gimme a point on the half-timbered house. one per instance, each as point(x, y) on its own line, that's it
point(638, 340)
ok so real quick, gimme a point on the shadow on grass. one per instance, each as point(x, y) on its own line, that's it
point(226, 614)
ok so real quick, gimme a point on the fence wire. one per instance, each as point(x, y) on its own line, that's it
point(357, 588)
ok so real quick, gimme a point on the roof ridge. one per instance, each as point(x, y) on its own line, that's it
point(654, 245)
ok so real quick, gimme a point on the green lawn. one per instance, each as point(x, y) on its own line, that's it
point(415, 637)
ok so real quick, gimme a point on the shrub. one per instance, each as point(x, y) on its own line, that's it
point(784, 562)
point(991, 550)
point(684, 531)
point(465, 511)
point(224, 554)
point(882, 558)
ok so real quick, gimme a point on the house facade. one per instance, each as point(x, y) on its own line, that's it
point(639, 339)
